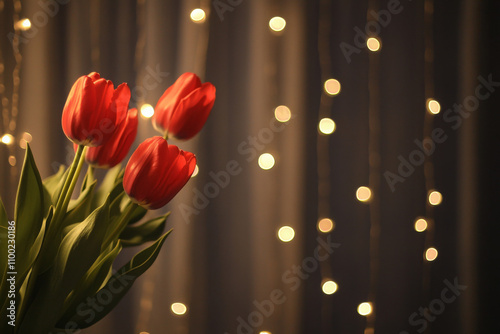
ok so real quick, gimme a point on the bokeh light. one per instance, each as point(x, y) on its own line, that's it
point(196, 171)
point(329, 287)
point(326, 126)
point(435, 197)
point(198, 15)
point(282, 114)
point(7, 139)
point(431, 254)
point(179, 308)
point(373, 44)
point(332, 86)
point(420, 225)
point(326, 225)
point(266, 161)
point(147, 110)
point(286, 233)
point(365, 308)
point(433, 106)
point(363, 194)
point(277, 23)
point(23, 24)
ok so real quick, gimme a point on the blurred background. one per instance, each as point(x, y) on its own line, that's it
point(361, 136)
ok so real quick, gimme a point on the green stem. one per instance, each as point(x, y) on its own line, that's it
point(120, 225)
point(166, 135)
point(73, 184)
point(67, 184)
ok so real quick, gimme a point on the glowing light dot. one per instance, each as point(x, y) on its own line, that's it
point(7, 139)
point(373, 44)
point(420, 225)
point(277, 23)
point(329, 287)
point(363, 194)
point(332, 86)
point(147, 110)
point(326, 126)
point(286, 233)
point(265, 332)
point(282, 114)
point(198, 15)
point(431, 254)
point(179, 308)
point(24, 24)
point(12, 160)
point(433, 106)
point(326, 225)
point(365, 308)
point(435, 197)
point(195, 172)
point(27, 136)
point(266, 161)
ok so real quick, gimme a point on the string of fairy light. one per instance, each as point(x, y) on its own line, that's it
point(432, 107)
point(326, 127)
point(371, 194)
point(10, 83)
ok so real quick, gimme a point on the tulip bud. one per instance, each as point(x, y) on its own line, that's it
point(116, 148)
point(184, 107)
point(156, 172)
point(89, 115)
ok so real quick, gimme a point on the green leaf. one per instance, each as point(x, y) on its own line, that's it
point(138, 214)
point(79, 208)
point(29, 213)
point(135, 235)
point(89, 179)
point(29, 223)
point(110, 187)
point(77, 253)
point(93, 280)
point(54, 183)
point(117, 286)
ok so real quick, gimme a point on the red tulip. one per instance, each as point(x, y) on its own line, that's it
point(156, 172)
point(116, 148)
point(89, 116)
point(184, 107)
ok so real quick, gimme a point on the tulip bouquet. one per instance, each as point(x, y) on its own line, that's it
point(57, 254)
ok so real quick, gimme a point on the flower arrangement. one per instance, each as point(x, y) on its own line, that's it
point(57, 254)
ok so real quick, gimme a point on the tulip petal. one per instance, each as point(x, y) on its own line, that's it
point(81, 98)
point(118, 145)
point(171, 98)
point(192, 112)
point(156, 172)
point(120, 101)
